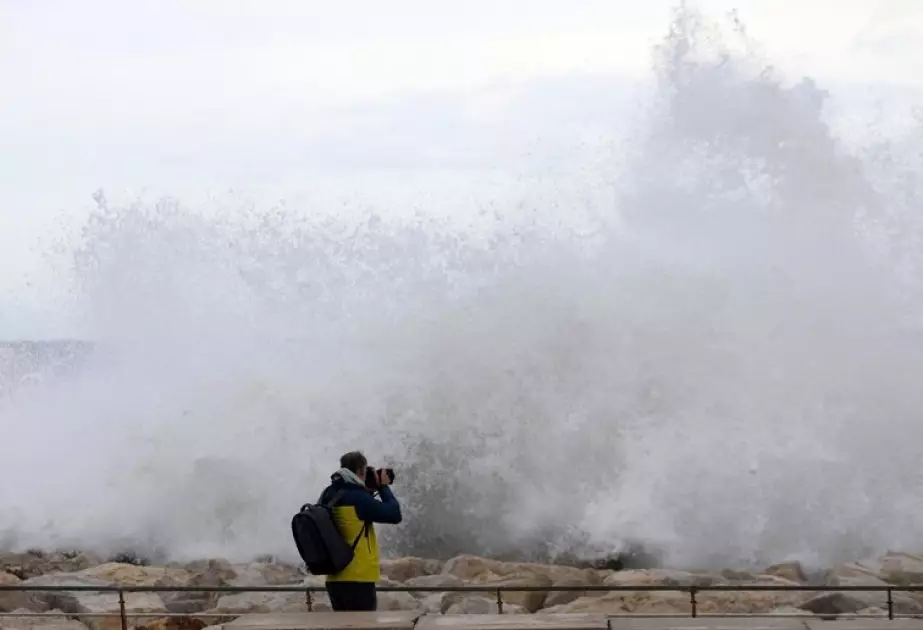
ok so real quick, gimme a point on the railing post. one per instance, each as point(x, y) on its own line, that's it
point(692, 600)
point(309, 601)
point(499, 602)
point(890, 603)
point(122, 613)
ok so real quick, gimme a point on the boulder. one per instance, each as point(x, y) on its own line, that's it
point(171, 623)
point(232, 606)
point(531, 600)
point(841, 602)
point(737, 575)
point(398, 600)
point(243, 603)
point(41, 601)
point(89, 604)
point(204, 574)
point(434, 581)
point(788, 570)
point(657, 602)
point(478, 570)
point(469, 567)
point(50, 622)
point(11, 600)
point(33, 564)
point(475, 605)
point(902, 569)
point(439, 603)
point(660, 577)
point(403, 569)
point(622, 603)
point(124, 574)
point(210, 572)
point(848, 602)
point(559, 598)
point(850, 573)
point(432, 603)
point(265, 574)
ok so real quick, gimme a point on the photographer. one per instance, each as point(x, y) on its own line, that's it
point(357, 509)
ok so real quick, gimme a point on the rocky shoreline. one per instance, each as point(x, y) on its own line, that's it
point(200, 610)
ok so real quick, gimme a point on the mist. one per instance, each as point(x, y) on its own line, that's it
point(720, 366)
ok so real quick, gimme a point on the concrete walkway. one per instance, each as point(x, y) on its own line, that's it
point(405, 620)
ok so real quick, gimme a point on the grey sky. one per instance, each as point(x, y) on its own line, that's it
point(309, 100)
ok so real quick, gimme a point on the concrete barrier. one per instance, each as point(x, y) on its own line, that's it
point(700, 623)
point(406, 620)
point(380, 620)
point(538, 621)
point(865, 624)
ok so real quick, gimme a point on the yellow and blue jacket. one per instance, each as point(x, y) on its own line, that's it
point(354, 513)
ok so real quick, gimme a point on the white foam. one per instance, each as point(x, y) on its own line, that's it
point(728, 377)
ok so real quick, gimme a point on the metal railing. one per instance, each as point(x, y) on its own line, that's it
point(693, 591)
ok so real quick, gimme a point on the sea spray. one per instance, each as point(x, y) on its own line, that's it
point(726, 372)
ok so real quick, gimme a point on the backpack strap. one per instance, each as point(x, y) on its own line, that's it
point(363, 531)
point(334, 499)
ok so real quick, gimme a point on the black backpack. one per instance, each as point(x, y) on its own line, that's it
point(318, 539)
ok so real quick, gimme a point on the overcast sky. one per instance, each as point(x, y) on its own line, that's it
point(309, 100)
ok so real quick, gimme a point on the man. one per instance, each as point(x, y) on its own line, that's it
point(353, 588)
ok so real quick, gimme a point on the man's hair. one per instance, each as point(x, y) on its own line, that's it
point(354, 461)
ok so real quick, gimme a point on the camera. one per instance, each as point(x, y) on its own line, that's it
point(372, 476)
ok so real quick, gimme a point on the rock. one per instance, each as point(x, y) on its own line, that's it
point(851, 573)
point(484, 571)
point(735, 575)
point(398, 600)
point(657, 602)
point(748, 602)
point(558, 598)
point(660, 577)
point(530, 600)
point(242, 603)
point(469, 567)
point(62, 600)
point(172, 623)
point(90, 603)
point(202, 573)
point(474, 605)
point(621, 603)
point(231, 606)
point(434, 581)
point(211, 572)
point(11, 600)
point(439, 603)
point(403, 569)
point(133, 575)
point(33, 564)
point(789, 570)
point(265, 574)
point(842, 602)
point(768, 580)
point(854, 574)
point(902, 569)
point(432, 603)
point(55, 622)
